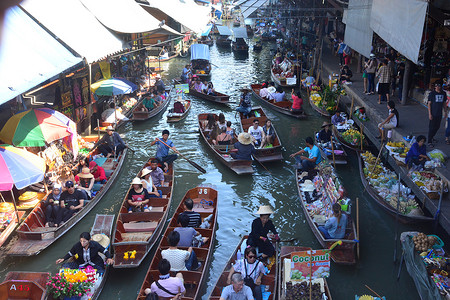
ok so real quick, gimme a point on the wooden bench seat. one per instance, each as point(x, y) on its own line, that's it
point(136, 236)
point(140, 227)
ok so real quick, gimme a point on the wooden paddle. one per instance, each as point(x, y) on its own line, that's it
point(188, 160)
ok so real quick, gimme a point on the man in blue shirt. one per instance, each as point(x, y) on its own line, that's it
point(237, 290)
point(307, 163)
point(162, 150)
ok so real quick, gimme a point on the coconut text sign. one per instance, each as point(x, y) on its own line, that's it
point(303, 263)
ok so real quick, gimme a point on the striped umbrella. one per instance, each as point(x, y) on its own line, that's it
point(113, 86)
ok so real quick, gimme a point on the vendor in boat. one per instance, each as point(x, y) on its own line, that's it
point(85, 181)
point(159, 84)
point(147, 183)
point(245, 105)
point(162, 150)
point(261, 226)
point(325, 133)
point(185, 74)
point(336, 119)
point(156, 174)
point(237, 290)
point(257, 133)
point(138, 197)
point(111, 143)
point(279, 94)
point(178, 106)
point(180, 260)
point(251, 269)
point(243, 148)
point(194, 217)
point(307, 163)
point(52, 206)
point(71, 202)
point(269, 134)
point(167, 287)
point(297, 103)
point(86, 253)
point(223, 138)
point(417, 154)
point(335, 226)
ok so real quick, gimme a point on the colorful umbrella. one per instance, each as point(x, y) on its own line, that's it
point(35, 127)
point(113, 86)
point(19, 167)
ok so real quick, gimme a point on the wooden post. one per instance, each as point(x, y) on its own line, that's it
point(98, 129)
point(310, 274)
point(332, 151)
point(351, 107)
point(89, 111)
point(361, 138)
point(357, 226)
point(406, 81)
point(15, 206)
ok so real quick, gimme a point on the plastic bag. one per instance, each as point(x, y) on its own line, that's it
point(436, 153)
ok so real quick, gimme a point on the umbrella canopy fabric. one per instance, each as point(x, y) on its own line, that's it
point(35, 127)
point(113, 86)
point(19, 167)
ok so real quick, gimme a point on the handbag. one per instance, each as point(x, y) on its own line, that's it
point(247, 279)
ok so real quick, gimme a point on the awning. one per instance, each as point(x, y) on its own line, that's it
point(200, 51)
point(71, 22)
point(400, 23)
point(240, 32)
point(358, 34)
point(238, 3)
point(207, 30)
point(224, 30)
point(187, 12)
point(251, 6)
point(28, 55)
point(125, 16)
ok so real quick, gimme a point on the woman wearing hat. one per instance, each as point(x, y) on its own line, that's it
point(260, 228)
point(325, 134)
point(138, 197)
point(86, 252)
point(85, 181)
point(147, 183)
point(244, 147)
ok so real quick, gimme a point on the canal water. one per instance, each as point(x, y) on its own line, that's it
point(240, 196)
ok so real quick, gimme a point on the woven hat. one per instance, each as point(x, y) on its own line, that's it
point(264, 210)
point(102, 239)
point(271, 89)
point(372, 55)
point(110, 128)
point(85, 173)
point(325, 123)
point(136, 181)
point(245, 138)
point(307, 186)
point(145, 172)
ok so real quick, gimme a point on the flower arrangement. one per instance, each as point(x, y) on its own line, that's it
point(70, 283)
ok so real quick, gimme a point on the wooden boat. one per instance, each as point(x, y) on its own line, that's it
point(269, 279)
point(218, 98)
point(285, 253)
point(139, 115)
point(24, 285)
point(152, 59)
point(281, 107)
point(223, 41)
point(205, 202)
point(239, 45)
point(341, 254)
point(4, 235)
point(176, 117)
point(34, 237)
point(321, 111)
point(208, 42)
point(383, 203)
point(257, 46)
point(139, 231)
point(341, 139)
point(340, 156)
point(200, 60)
point(222, 152)
point(281, 82)
point(265, 154)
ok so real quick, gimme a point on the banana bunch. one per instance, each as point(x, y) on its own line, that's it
point(396, 144)
point(316, 98)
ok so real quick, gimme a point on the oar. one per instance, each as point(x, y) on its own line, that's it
point(438, 212)
point(215, 65)
point(373, 291)
point(188, 160)
point(396, 219)
point(357, 226)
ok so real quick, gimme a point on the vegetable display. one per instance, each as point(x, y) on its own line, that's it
point(300, 291)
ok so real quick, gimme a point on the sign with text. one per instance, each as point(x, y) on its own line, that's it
point(315, 262)
point(182, 87)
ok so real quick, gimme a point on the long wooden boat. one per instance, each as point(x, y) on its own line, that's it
point(279, 82)
point(321, 111)
point(34, 237)
point(281, 107)
point(285, 254)
point(139, 231)
point(341, 254)
point(265, 154)
point(4, 235)
point(340, 155)
point(269, 279)
point(223, 41)
point(139, 115)
point(385, 204)
point(24, 285)
point(176, 117)
point(339, 137)
point(239, 47)
point(218, 98)
point(152, 59)
point(205, 202)
point(222, 152)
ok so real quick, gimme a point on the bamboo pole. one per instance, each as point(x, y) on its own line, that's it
point(361, 138)
point(310, 274)
point(332, 151)
point(357, 226)
point(351, 107)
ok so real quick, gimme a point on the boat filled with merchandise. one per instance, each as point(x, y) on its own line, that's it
point(429, 182)
point(383, 185)
point(348, 135)
point(283, 74)
point(325, 100)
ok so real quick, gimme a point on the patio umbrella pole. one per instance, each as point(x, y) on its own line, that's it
point(15, 206)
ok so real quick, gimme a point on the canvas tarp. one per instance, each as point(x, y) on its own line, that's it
point(252, 7)
point(207, 30)
point(358, 34)
point(400, 23)
point(240, 32)
point(224, 30)
point(200, 51)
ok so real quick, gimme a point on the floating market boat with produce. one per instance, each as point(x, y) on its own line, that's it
point(269, 280)
point(140, 115)
point(222, 152)
point(34, 237)
point(200, 60)
point(281, 107)
point(283, 74)
point(282, 81)
point(136, 233)
point(205, 203)
point(290, 290)
point(314, 100)
point(8, 220)
point(266, 154)
point(173, 117)
point(340, 156)
point(350, 138)
point(24, 285)
point(380, 182)
point(328, 185)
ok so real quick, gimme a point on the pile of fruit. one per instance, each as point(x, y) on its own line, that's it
point(422, 242)
point(352, 136)
point(398, 148)
point(427, 181)
point(316, 98)
point(300, 291)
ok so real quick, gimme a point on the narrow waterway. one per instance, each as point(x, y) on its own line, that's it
point(240, 196)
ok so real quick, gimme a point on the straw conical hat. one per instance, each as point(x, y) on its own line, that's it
point(264, 210)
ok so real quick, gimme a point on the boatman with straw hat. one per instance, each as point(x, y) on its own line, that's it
point(325, 134)
point(243, 148)
point(259, 237)
point(111, 143)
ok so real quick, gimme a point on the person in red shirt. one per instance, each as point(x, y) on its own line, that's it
point(98, 172)
point(297, 103)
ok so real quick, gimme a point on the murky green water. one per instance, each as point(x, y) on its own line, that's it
point(239, 197)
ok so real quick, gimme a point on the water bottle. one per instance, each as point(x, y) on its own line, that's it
point(239, 255)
